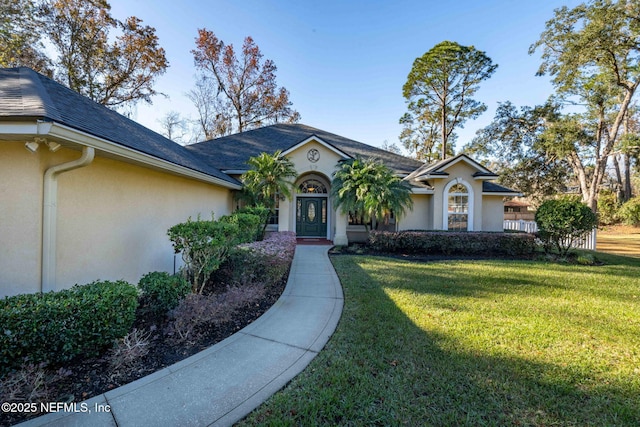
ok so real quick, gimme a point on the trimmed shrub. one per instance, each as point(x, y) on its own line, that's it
point(58, 326)
point(561, 222)
point(452, 243)
point(261, 211)
point(630, 212)
point(608, 207)
point(204, 246)
point(265, 262)
point(249, 225)
point(163, 291)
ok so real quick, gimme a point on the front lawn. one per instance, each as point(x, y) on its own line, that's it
point(620, 240)
point(474, 343)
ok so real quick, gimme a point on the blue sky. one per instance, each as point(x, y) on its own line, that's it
point(345, 62)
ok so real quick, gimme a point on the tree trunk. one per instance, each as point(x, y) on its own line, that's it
point(443, 123)
point(628, 192)
point(443, 117)
point(619, 190)
point(578, 169)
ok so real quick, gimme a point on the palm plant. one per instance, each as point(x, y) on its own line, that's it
point(371, 189)
point(269, 178)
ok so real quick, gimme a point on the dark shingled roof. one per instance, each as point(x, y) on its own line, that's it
point(436, 168)
point(25, 94)
point(231, 152)
point(492, 187)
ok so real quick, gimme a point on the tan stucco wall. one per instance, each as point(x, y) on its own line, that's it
point(492, 213)
point(20, 218)
point(112, 218)
point(421, 218)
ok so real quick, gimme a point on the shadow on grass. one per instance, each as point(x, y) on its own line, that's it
point(380, 368)
point(446, 278)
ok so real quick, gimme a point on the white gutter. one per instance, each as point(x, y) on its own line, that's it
point(72, 135)
point(49, 212)
point(15, 131)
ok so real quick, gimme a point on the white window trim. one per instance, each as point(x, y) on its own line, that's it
point(445, 203)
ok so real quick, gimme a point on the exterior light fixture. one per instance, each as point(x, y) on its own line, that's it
point(53, 146)
point(31, 146)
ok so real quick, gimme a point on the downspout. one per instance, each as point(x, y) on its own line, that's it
point(49, 210)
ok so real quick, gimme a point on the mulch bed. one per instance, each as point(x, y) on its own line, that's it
point(84, 378)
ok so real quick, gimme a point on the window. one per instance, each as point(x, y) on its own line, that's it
point(312, 186)
point(458, 208)
point(355, 218)
point(273, 218)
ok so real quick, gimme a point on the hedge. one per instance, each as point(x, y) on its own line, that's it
point(630, 212)
point(58, 326)
point(249, 225)
point(453, 243)
point(162, 291)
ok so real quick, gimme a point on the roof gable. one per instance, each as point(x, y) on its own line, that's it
point(439, 169)
point(232, 152)
point(314, 138)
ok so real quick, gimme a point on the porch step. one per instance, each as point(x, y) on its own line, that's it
point(313, 241)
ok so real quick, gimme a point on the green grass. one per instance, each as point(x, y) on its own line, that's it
point(474, 343)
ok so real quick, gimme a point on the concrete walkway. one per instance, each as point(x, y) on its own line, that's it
point(222, 384)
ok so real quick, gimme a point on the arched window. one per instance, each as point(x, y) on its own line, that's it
point(312, 186)
point(458, 208)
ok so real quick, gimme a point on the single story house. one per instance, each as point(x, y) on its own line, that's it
point(87, 194)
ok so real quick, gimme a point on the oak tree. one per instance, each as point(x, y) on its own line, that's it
point(20, 43)
point(513, 143)
point(113, 70)
point(439, 91)
point(245, 85)
point(592, 53)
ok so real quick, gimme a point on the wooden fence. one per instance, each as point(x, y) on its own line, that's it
point(588, 242)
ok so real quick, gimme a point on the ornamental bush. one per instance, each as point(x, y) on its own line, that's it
point(162, 291)
point(249, 225)
point(562, 222)
point(204, 246)
point(608, 207)
point(630, 212)
point(58, 326)
point(452, 243)
point(261, 211)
